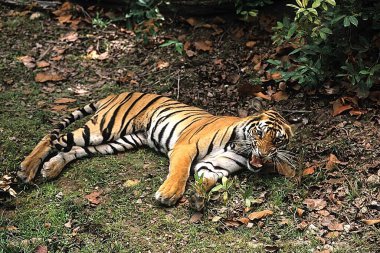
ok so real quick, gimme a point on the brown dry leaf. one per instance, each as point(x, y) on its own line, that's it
point(259, 215)
point(300, 212)
point(64, 100)
point(244, 220)
point(308, 171)
point(280, 95)
point(162, 64)
point(357, 112)
point(42, 77)
point(333, 161)
point(43, 64)
point(303, 225)
point(250, 44)
point(93, 55)
point(315, 204)
point(203, 45)
point(131, 183)
point(196, 217)
point(232, 223)
point(41, 249)
point(216, 218)
point(65, 7)
point(57, 58)
point(276, 75)
point(70, 37)
point(371, 222)
point(59, 108)
point(338, 107)
point(335, 226)
point(27, 60)
point(192, 21)
point(285, 170)
point(332, 235)
point(94, 197)
point(262, 95)
point(64, 19)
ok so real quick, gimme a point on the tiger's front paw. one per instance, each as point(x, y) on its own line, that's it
point(170, 192)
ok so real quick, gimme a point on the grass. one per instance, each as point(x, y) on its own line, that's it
point(58, 215)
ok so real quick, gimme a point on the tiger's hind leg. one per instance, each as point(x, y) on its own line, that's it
point(55, 165)
point(33, 161)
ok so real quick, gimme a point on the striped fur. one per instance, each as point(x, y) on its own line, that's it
point(213, 146)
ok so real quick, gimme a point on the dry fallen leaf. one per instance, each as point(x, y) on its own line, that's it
point(280, 95)
point(332, 235)
point(203, 45)
point(27, 60)
point(276, 75)
point(162, 64)
point(93, 55)
point(308, 171)
point(64, 100)
point(42, 77)
point(333, 161)
point(41, 249)
point(232, 223)
point(315, 204)
point(43, 64)
point(94, 197)
point(216, 218)
point(371, 222)
point(335, 226)
point(196, 217)
point(338, 107)
point(244, 220)
point(259, 215)
point(262, 95)
point(300, 212)
point(192, 21)
point(250, 44)
point(59, 108)
point(70, 37)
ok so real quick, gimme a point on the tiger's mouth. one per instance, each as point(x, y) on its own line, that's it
point(254, 163)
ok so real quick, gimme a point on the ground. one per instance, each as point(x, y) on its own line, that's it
point(106, 204)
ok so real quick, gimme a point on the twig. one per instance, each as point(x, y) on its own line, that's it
point(44, 53)
point(178, 79)
point(296, 111)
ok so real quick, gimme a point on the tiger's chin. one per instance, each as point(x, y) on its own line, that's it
point(254, 164)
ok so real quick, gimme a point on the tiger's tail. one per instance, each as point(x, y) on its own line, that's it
point(65, 122)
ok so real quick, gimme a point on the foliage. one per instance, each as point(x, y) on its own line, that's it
point(178, 46)
point(225, 187)
point(248, 8)
point(98, 21)
point(330, 40)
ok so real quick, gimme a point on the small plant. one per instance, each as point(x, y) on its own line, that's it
point(247, 9)
point(98, 21)
point(225, 187)
point(248, 198)
point(178, 46)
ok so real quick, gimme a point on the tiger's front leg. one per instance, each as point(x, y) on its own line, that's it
point(179, 169)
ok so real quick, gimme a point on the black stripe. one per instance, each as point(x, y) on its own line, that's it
point(202, 127)
point(232, 137)
point(128, 142)
point(87, 151)
point(92, 106)
point(86, 135)
point(195, 157)
point(106, 133)
point(211, 145)
point(162, 105)
point(115, 151)
point(70, 142)
point(142, 110)
point(103, 121)
point(173, 129)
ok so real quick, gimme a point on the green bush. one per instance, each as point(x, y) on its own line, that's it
point(331, 42)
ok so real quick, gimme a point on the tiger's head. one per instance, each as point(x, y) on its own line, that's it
point(266, 137)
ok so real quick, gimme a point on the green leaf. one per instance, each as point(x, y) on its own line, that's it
point(353, 20)
point(322, 35)
point(274, 62)
point(299, 3)
point(346, 22)
point(326, 30)
point(331, 2)
point(364, 72)
point(224, 180)
point(305, 3)
point(312, 10)
point(294, 6)
point(216, 188)
point(324, 6)
point(168, 43)
point(316, 4)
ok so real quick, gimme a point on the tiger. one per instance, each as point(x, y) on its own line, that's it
point(193, 139)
